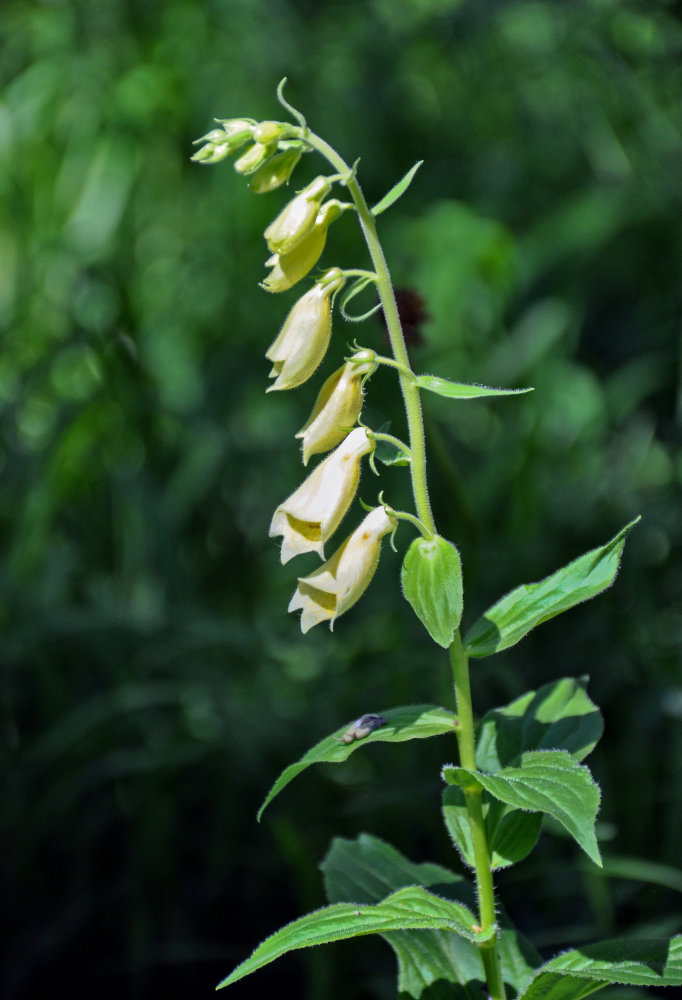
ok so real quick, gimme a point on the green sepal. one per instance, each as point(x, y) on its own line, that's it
point(431, 579)
point(412, 722)
point(462, 390)
point(547, 781)
point(411, 908)
point(397, 190)
point(441, 966)
point(527, 606)
point(578, 973)
point(511, 833)
point(558, 716)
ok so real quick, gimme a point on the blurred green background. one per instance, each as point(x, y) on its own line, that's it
point(153, 685)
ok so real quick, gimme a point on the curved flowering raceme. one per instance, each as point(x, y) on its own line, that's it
point(297, 218)
point(313, 513)
point(337, 407)
point(288, 268)
point(303, 340)
point(335, 587)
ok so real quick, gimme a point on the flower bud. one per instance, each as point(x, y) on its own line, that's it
point(303, 340)
point(297, 218)
point(289, 268)
point(336, 409)
point(335, 587)
point(268, 132)
point(222, 142)
point(313, 513)
point(254, 157)
point(275, 172)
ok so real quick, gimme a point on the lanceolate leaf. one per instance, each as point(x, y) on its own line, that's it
point(547, 781)
point(511, 833)
point(397, 190)
point(414, 722)
point(461, 390)
point(447, 965)
point(431, 578)
point(577, 973)
point(558, 716)
point(412, 908)
point(506, 622)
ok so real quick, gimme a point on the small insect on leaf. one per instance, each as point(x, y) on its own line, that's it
point(362, 727)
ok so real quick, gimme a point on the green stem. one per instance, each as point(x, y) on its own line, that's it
point(413, 410)
point(473, 796)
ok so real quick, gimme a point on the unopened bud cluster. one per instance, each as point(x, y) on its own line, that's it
point(268, 153)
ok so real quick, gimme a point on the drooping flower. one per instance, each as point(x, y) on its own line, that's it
point(289, 268)
point(337, 407)
point(313, 513)
point(297, 218)
point(332, 589)
point(303, 340)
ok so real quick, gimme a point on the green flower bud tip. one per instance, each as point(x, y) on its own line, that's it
point(267, 132)
point(275, 172)
point(254, 157)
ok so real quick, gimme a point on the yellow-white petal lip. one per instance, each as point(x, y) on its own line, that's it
point(336, 409)
point(313, 513)
point(303, 340)
point(335, 587)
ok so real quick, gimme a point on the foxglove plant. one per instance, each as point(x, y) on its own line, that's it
point(516, 765)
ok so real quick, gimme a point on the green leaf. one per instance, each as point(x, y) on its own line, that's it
point(506, 622)
point(461, 390)
point(431, 578)
point(446, 965)
point(558, 716)
point(511, 833)
point(547, 781)
point(413, 722)
point(397, 190)
point(412, 908)
point(581, 971)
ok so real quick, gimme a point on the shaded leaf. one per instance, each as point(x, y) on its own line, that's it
point(547, 781)
point(581, 971)
point(558, 716)
point(431, 963)
point(511, 833)
point(397, 190)
point(462, 390)
point(411, 908)
point(413, 722)
point(521, 610)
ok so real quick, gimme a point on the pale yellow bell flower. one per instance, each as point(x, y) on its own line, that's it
point(303, 340)
point(297, 218)
point(313, 513)
point(337, 407)
point(332, 589)
point(289, 268)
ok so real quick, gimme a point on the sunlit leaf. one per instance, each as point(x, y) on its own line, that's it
point(397, 190)
point(461, 390)
point(511, 833)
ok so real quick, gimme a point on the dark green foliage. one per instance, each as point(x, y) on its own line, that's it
point(153, 686)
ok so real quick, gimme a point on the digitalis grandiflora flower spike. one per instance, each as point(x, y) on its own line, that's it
point(313, 513)
point(332, 589)
point(303, 340)
point(336, 409)
point(289, 268)
point(297, 218)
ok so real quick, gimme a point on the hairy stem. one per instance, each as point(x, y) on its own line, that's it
point(482, 860)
